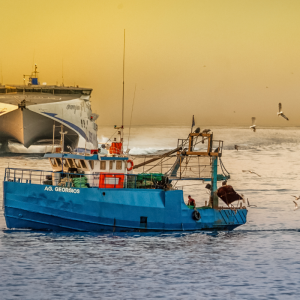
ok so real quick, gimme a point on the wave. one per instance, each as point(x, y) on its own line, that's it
point(148, 151)
point(19, 148)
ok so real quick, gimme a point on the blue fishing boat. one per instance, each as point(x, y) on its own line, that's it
point(101, 191)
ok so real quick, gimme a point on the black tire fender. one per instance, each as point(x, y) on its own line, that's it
point(196, 215)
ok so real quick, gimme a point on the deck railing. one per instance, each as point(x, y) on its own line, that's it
point(79, 180)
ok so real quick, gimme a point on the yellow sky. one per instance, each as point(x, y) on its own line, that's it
point(223, 61)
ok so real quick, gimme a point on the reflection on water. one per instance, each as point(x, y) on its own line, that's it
point(256, 261)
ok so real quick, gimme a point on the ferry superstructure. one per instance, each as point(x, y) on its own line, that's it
point(33, 112)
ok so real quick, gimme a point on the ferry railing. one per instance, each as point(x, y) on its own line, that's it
point(81, 180)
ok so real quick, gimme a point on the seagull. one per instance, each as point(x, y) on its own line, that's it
point(250, 172)
point(206, 131)
point(280, 113)
point(236, 147)
point(296, 198)
point(253, 127)
point(243, 197)
point(296, 205)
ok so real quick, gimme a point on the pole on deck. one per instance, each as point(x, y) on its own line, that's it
point(214, 187)
point(53, 137)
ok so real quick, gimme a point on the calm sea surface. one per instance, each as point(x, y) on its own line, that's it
point(260, 260)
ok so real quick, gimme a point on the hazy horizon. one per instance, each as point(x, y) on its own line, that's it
point(222, 61)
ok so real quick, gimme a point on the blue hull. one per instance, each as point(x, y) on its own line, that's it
point(42, 207)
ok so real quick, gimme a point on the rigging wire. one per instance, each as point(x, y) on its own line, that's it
point(111, 137)
point(159, 162)
point(223, 168)
point(131, 117)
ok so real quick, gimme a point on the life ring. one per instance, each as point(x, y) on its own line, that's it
point(196, 215)
point(131, 165)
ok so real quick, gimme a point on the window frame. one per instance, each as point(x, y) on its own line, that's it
point(58, 162)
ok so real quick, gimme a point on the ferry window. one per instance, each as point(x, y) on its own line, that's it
point(11, 90)
point(119, 165)
point(71, 163)
point(61, 91)
point(47, 91)
point(2, 91)
point(86, 92)
point(83, 164)
point(37, 90)
point(28, 90)
point(53, 162)
point(18, 91)
point(58, 161)
point(111, 164)
point(102, 165)
point(74, 92)
point(77, 163)
point(91, 162)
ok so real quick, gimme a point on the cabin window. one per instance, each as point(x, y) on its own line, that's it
point(58, 161)
point(102, 165)
point(111, 164)
point(77, 163)
point(71, 163)
point(53, 162)
point(119, 165)
point(91, 162)
point(83, 164)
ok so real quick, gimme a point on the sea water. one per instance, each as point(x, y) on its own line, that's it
point(259, 260)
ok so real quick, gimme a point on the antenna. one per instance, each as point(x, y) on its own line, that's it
point(122, 127)
point(1, 74)
point(62, 72)
point(33, 60)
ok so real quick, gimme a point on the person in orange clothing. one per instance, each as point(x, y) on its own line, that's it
point(191, 201)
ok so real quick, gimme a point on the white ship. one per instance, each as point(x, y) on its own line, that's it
point(33, 113)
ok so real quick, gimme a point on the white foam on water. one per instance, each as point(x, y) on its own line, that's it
point(19, 148)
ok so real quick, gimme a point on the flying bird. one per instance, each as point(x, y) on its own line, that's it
point(296, 198)
point(253, 127)
point(250, 172)
point(280, 113)
point(296, 205)
point(236, 147)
